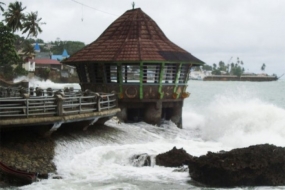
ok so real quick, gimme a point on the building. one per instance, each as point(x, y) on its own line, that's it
point(64, 55)
point(37, 48)
point(29, 65)
point(47, 63)
point(134, 59)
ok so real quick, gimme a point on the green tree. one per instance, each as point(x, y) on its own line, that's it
point(70, 46)
point(237, 69)
point(19, 40)
point(14, 16)
point(263, 67)
point(43, 73)
point(40, 40)
point(222, 66)
point(216, 72)
point(8, 54)
point(207, 67)
point(32, 24)
point(1, 8)
point(214, 66)
point(28, 49)
point(20, 71)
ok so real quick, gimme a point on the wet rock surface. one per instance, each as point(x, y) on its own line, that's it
point(140, 160)
point(259, 165)
point(26, 150)
point(173, 158)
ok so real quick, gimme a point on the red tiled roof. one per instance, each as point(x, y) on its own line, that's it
point(47, 61)
point(134, 36)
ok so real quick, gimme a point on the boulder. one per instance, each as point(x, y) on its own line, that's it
point(140, 160)
point(173, 158)
point(258, 165)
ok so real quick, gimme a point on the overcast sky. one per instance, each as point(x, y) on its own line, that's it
point(211, 30)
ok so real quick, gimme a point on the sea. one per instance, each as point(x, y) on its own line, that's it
point(217, 116)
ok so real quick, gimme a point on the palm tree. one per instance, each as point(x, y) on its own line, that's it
point(28, 49)
point(32, 24)
point(1, 8)
point(14, 16)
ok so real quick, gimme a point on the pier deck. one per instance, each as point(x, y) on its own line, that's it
point(54, 108)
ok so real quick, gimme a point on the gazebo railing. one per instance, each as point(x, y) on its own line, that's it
point(57, 105)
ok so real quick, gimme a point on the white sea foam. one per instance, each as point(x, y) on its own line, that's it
point(37, 82)
point(238, 120)
point(218, 116)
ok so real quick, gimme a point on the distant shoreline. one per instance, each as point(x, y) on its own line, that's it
point(241, 78)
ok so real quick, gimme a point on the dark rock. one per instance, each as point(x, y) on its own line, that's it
point(259, 165)
point(181, 169)
point(56, 177)
point(43, 176)
point(173, 158)
point(140, 160)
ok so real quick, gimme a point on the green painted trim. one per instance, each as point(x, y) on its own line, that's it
point(119, 69)
point(187, 78)
point(160, 81)
point(141, 80)
point(177, 77)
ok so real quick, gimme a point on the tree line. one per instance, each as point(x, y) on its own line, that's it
point(15, 20)
point(222, 68)
point(227, 69)
point(29, 24)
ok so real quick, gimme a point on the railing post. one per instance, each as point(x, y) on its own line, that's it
point(27, 107)
point(59, 103)
point(108, 98)
point(80, 104)
point(26, 96)
point(98, 102)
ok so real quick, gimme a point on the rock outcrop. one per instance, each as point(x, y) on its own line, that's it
point(173, 158)
point(259, 165)
point(140, 160)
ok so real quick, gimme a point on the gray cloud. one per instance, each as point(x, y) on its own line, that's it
point(211, 30)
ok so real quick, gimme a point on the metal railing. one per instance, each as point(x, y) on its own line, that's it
point(56, 105)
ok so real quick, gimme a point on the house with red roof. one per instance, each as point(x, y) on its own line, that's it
point(48, 63)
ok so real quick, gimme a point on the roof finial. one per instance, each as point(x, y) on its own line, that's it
point(133, 4)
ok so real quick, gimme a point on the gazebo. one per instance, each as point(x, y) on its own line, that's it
point(134, 59)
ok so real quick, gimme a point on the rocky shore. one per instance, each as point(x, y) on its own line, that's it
point(258, 165)
point(27, 150)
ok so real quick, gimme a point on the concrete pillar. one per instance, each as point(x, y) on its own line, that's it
point(152, 113)
point(122, 115)
point(55, 126)
point(177, 115)
point(59, 104)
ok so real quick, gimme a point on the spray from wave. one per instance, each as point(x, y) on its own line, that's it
point(38, 82)
point(238, 120)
